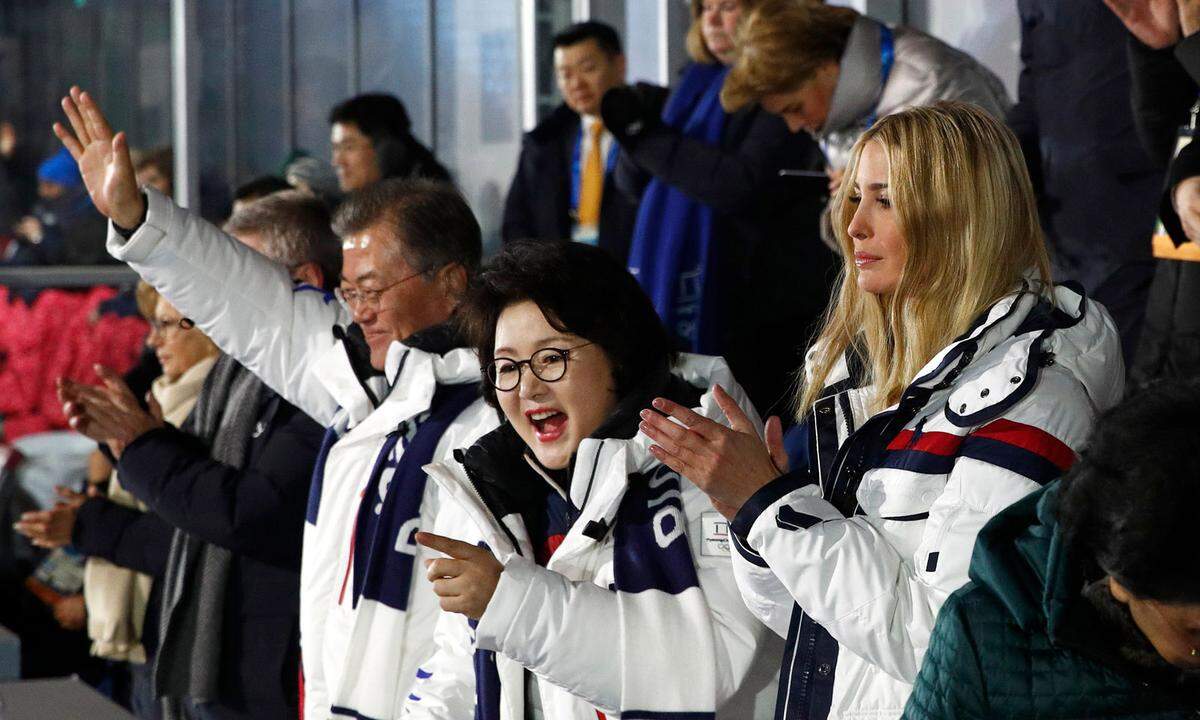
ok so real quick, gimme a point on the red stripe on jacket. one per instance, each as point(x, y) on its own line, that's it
point(1026, 437)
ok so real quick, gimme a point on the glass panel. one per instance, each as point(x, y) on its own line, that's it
point(394, 50)
point(477, 103)
point(262, 107)
point(550, 18)
point(323, 45)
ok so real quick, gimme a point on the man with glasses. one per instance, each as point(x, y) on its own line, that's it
point(382, 370)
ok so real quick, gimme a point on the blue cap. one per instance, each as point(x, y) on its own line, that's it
point(60, 168)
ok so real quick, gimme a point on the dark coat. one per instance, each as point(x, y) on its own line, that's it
point(776, 274)
point(538, 205)
point(1097, 187)
point(1164, 88)
point(1022, 641)
point(130, 538)
point(258, 514)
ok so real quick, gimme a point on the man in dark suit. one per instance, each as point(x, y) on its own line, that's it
point(563, 189)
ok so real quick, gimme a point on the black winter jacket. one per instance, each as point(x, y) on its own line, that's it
point(258, 514)
point(776, 274)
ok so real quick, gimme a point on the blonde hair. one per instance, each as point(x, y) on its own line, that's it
point(147, 299)
point(965, 207)
point(781, 46)
point(696, 47)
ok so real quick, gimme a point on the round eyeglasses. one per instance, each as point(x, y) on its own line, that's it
point(163, 326)
point(548, 365)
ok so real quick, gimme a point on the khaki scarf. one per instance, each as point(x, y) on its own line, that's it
point(116, 596)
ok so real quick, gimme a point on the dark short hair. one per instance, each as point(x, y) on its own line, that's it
point(377, 115)
point(260, 187)
point(606, 36)
point(1131, 500)
point(295, 229)
point(581, 290)
point(431, 220)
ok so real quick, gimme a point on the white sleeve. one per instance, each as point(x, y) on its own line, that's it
point(693, 648)
point(243, 301)
point(444, 688)
point(848, 577)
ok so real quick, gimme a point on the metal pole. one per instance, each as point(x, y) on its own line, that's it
point(527, 54)
point(185, 91)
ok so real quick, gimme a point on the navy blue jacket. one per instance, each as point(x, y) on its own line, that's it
point(258, 514)
point(538, 205)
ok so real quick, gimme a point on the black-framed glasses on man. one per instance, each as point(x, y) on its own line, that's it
point(548, 365)
point(161, 326)
point(351, 298)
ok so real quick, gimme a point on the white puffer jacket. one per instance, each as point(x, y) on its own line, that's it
point(636, 612)
point(359, 650)
point(853, 562)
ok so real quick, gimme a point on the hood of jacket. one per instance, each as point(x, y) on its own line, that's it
point(1049, 586)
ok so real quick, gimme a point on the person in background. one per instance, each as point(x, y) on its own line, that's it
point(314, 177)
point(951, 379)
point(372, 140)
point(1097, 187)
point(378, 363)
point(1164, 54)
point(256, 189)
point(1084, 600)
point(156, 168)
point(832, 72)
point(127, 546)
point(719, 234)
point(591, 578)
point(18, 176)
point(562, 189)
point(62, 228)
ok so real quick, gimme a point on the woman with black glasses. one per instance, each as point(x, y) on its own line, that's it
point(588, 577)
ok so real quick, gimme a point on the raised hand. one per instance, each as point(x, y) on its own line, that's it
point(103, 159)
point(464, 582)
point(1154, 22)
point(728, 463)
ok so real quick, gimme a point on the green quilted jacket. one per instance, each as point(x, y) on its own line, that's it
point(1021, 640)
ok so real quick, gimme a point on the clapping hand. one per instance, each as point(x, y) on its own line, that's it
point(103, 159)
point(52, 528)
point(728, 463)
point(108, 413)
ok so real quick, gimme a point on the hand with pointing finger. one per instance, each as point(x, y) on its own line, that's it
point(103, 159)
point(465, 581)
point(728, 463)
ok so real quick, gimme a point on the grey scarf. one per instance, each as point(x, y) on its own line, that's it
point(197, 573)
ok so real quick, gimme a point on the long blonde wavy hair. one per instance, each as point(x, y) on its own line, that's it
point(965, 207)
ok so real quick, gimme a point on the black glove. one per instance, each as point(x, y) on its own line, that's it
point(626, 113)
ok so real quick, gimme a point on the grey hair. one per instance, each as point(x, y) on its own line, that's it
point(295, 229)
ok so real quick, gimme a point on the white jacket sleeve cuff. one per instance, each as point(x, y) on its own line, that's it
point(758, 514)
point(505, 605)
point(139, 247)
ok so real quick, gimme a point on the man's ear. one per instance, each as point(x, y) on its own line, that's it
point(310, 274)
point(452, 278)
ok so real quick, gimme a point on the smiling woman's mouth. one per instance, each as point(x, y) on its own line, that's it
point(548, 425)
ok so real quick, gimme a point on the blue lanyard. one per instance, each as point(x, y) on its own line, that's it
point(887, 58)
point(576, 181)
